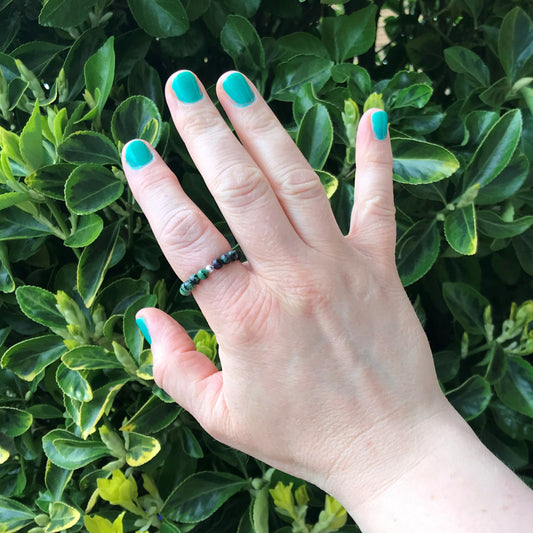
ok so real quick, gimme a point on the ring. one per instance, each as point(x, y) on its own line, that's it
point(187, 287)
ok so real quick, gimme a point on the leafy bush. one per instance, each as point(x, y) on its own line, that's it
point(86, 438)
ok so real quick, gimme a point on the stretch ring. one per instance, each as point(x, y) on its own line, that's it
point(217, 263)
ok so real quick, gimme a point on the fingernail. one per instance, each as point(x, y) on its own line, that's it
point(238, 90)
point(186, 88)
point(141, 324)
point(138, 154)
point(380, 121)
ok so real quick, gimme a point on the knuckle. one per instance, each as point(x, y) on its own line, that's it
point(152, 182)
point(240, 185)
point(380, 205)
point(301, 183)
point(181, 229)
point(194, 124)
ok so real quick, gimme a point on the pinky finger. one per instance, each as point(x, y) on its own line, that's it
point(187, 375)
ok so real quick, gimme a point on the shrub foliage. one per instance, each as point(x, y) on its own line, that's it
point(87, 440)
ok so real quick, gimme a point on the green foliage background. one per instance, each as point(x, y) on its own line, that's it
point(87, 440)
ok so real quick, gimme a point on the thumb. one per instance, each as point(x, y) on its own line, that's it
point(186, 374)
point(373, 226)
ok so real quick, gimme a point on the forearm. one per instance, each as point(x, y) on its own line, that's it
point(456, 486)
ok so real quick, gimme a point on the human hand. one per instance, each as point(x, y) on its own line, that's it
point(323, 358)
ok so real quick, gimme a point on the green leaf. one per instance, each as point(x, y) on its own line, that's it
point(492, 225)
point(91, 187)
point(62, 517)
point(152, 417)
point(200, 495)
point(141, 449)
point(9, 199)
point(13, 515)
point(417, 250)
point(496, 150)
point(40, 305)
point(14, 422)
point(144, 80)
point(416, 162)
point(65, 13)
point(516, 425)
point(31, 356)
point(342, 204)
point(90, 358)
point(471, 398)
point(50, 180)
point(358, 79)
point(89, 147)
point(315, 136)
point(464, 61)
point(466, 305)
point(416, 95)
point(17, 224)
point(329, 182)
point(7, 281)
point(68, 451)
point(515, 389)
point(298, 43)
point(84, 47)
point(447, 364)
point(515, 44)
point(73, 384)
point(91, 412)
point(460, 230)
point(477, 125)
point(132, 334)
point(120, 294)
point(99, 73)
point(245, 8)
point(347, 36)
point(293, 74)
point(508, 181)
point(242, 43)
point(523, 245)
point(160, 18)
point(136, 118)
point(31, 141)
point(87, 231)
point(94, 262)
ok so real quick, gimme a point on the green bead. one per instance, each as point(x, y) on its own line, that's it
point(186, 288)
point(203, 273)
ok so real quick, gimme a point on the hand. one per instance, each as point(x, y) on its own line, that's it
point(324, 360)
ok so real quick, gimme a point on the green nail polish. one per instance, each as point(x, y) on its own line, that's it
point(141, 324)
point(138, 154)
point(238, 89)
point(186, 88)
point(380, 121)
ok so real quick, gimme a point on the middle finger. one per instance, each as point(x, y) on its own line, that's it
point(242, 192)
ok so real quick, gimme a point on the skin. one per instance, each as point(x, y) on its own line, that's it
point(326, 371)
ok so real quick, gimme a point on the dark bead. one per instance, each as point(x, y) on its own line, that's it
point(225, 258)
point(234, 255)
point(194, 279)
point(217, 263)
point(188, 286)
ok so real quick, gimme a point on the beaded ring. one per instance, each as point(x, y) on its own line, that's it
point(217, 263)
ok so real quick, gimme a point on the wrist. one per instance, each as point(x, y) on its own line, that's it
point(443, 480)
point(381, 457)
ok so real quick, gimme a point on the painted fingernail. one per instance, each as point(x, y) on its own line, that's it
point(238, 90)
point(141, 324)
point(138, 154)
point(380, 122)
point(186, 88)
